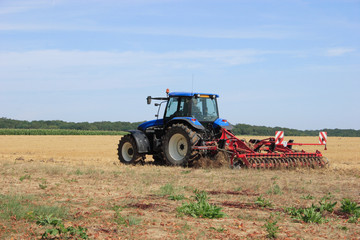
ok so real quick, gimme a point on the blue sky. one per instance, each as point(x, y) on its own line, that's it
point(288, 63)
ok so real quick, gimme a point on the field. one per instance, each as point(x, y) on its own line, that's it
point(68, 183)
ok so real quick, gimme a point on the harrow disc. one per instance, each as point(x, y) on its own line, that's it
point(283, 162)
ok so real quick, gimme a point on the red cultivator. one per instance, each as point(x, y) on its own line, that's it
point(266, 153)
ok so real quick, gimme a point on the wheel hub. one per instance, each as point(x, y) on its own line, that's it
point(178, 147)
point(127, 151)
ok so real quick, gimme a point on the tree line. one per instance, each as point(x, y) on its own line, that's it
point(239, 129)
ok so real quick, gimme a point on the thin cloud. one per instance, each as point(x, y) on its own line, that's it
point(58, 58)
point(12, 7)
point(259, 33)
point(335, 52)
point(56, 69)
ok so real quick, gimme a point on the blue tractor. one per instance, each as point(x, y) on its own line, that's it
point(190, 120)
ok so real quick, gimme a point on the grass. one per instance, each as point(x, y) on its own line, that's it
point(124, 220)
point(22, 207)
point(275, 189)
point(167, 189)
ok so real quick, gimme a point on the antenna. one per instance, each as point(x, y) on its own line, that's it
point(192, 83)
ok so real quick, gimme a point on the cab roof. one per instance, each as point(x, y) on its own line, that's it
point(191, 94)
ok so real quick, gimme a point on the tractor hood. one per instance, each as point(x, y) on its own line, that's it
point(152, 123)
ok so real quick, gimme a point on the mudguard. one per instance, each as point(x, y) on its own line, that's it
point(191, 121)
point(223, 124)
point(142, 142)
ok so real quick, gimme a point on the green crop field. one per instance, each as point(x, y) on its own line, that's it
point(57, 132)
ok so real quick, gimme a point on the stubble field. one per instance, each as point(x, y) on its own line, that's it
point(79, 180)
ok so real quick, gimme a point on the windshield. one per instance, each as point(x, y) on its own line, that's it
point(204, 109)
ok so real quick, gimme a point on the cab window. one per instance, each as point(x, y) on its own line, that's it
point(204, 109)
point(177, 107)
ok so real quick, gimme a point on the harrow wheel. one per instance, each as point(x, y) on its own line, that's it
point(127, 150)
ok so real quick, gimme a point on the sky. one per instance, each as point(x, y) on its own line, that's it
point(287, 63)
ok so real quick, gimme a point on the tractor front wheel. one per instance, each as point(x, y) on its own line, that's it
point(127, 150)
point(177, 144)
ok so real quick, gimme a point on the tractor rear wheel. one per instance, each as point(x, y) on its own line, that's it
point(177, 144)
point(127, 150)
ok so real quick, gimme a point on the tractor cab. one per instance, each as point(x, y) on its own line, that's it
point(202, 107)
point(198, 110)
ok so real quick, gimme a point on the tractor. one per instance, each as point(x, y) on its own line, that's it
point(191, 128)
point(189, 119)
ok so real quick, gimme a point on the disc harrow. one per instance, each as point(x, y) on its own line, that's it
point(270, 153)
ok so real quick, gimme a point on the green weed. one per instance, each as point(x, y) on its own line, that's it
point(22, 178)
point(308, 197)
point(355, 217)
point(59, 231)
point(348, 206)
point(271, 228)
point(325, 204)
point(308, 215)
point(48, 220)
point(201, 207)
point(262, 202)
point(43, 184)
point(177, 197)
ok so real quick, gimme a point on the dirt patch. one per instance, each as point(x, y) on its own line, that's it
point(220, 160)
point(246, 192)
point(141, 205)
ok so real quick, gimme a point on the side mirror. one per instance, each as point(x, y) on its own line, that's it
point(148, 99)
